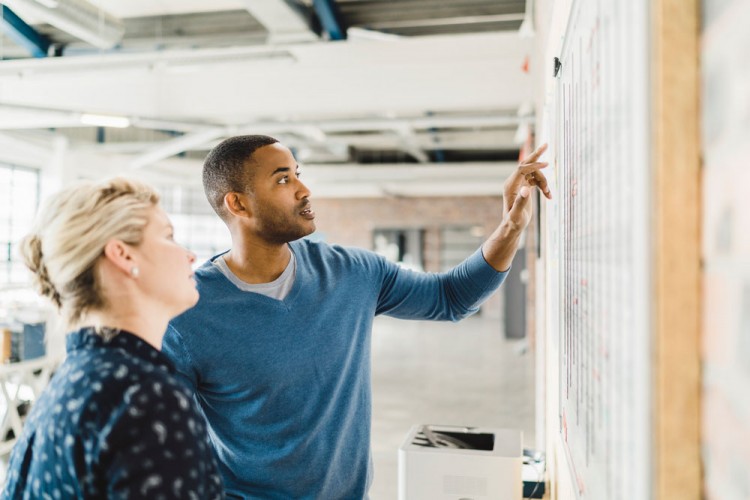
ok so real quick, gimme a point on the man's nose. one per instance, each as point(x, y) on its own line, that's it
point(302, 190)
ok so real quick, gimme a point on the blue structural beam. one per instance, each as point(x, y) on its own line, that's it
point(23, 34)
point(329, 18)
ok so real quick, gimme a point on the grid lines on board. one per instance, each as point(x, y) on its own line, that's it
point(602, 149)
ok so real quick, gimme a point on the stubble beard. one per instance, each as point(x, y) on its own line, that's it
point(278, 230)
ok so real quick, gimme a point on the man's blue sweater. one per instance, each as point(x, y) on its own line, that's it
point(285, 385)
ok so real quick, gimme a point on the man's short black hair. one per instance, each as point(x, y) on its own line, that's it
point(224, 169)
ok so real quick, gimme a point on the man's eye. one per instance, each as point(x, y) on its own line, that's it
point(284, 180)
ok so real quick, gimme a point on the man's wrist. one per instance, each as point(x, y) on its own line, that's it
point(501, 247)
point(510, 229)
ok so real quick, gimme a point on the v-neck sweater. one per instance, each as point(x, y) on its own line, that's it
point(285, 384)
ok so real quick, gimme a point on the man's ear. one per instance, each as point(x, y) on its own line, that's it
point(120, 255)
point(237, 204)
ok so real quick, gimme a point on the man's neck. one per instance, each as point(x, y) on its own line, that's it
point(254, 262)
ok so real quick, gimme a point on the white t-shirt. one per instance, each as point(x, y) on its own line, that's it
point(276, 289)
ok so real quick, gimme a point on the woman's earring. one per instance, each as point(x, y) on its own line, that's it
point(134, 271)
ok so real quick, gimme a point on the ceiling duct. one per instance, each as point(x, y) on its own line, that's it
point(77, 17)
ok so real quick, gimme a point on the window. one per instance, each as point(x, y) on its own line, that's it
point(196, 225)
point(403, 246)
point(19, 198)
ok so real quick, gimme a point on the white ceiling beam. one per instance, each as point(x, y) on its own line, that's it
point(423, 123)
point(362, 34)
point(351, 180)
point(16, 117)
point(149, 8)
point(151, 44)
point(79, 18)
point(283, 23)
point(175, 61)
point(90, 164)
point(15, 120)
point(409, 76)
point(336, 146)
point(445, 21)
point(313, 134)
point(527, 29)
point(19, 150)
point(404, 172)
point(410, 144)
point(409, 180)
point(402, 127)
point(428, 140)
point(177, 146)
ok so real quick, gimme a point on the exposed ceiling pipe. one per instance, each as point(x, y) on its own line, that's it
point(330, 19)
point(79, 18)
point(22, 33)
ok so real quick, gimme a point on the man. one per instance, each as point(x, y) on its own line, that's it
point(278, 347)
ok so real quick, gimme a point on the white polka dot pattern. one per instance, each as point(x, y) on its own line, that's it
point(113, 423)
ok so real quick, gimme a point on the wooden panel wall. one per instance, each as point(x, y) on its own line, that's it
point(677, 218)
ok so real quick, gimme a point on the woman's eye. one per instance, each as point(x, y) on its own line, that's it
point(284, 180)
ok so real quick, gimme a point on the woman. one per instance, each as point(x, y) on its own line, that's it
point(114, 422)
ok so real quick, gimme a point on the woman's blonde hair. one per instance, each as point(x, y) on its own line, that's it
point(69, 235)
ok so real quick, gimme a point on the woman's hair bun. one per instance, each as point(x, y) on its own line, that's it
point(31, 251)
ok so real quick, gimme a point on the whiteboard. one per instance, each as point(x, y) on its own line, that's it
point(599, 136)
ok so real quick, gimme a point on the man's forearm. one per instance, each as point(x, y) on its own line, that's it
point(501, 246)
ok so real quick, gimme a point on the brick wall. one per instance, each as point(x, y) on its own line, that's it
point(726, 244)
point(351, 222)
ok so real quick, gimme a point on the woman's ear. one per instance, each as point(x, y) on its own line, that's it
point(120, 255)
point(237, 204)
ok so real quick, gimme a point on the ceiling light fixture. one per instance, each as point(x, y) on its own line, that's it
point(105, 120)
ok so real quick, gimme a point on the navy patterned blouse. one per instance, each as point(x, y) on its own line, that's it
point(113, 423)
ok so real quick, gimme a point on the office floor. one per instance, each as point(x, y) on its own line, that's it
point(463, 373)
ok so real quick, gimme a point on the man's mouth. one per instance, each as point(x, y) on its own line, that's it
point(307, 212)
